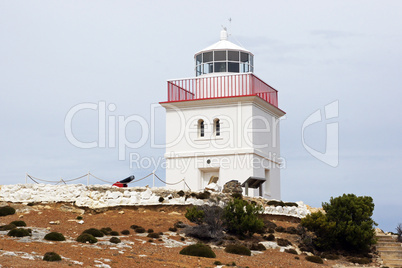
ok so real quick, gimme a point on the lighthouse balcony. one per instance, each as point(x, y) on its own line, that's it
point(222, 86)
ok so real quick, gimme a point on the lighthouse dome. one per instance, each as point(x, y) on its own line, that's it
point(223, 57)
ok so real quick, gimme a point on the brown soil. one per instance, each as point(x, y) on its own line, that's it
point(138, 252)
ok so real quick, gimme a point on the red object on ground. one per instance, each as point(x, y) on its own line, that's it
point(119, 184)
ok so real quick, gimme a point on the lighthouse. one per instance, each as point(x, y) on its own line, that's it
point(223, 125)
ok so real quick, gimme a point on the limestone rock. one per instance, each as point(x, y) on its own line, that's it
point(232, 187)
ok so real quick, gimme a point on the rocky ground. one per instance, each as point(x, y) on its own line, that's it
point(136, 250)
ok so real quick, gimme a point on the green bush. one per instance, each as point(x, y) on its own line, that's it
point(237, 195)
point(150, 230)
point(314, 259)
point(105, 230)
point(95, 232)
point(347, 224)
point(199, 250)
point(125, 232)
point(179, 224)
point(194, 214)
point(291, 251)
point(19, 223)
point(139, 230)
point(181, 193)
point(270, 237)
point(114, 240)
point(51, 256)
point(291, 230)
point(258, 246)
point(6, 210)
point(283, 242)
point(114, 233)
point(241, 218)
point(134, 226)
point(329, 256)
point(55, 236)
point(83, 238)
point(217, 263)
point(153, 235)
point(280, 229)
point(7, 227)
point(19, 232)
point(79, 218)
point(173, 229)
point(238, 249)
point(359, 260)
point(161, 199)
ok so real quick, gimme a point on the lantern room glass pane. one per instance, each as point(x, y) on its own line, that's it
point(220, 55)
point(198, 59)
point(233, 55)
point(207, 56)
point(251, 60)
point(198, 70)
point(243, 57)
point(208, 68)
point(220, 67)
point(233, 67)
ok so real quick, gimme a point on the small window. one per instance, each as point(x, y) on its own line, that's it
point(207, 57)
point(201, 128)
point(208, 68)
point(220, 55)
point(244, 57)
point(198, 59)
point(233, 67)
point(220, 67)
point(233, 55)
point(217, 126)
point(199, 70)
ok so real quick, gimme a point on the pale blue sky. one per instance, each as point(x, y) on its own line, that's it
point(57, 54)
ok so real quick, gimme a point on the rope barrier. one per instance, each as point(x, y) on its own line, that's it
point(32, 179)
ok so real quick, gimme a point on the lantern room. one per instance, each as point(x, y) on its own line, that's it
point(223, 57)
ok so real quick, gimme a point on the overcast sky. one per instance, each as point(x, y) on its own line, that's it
point(55, 55)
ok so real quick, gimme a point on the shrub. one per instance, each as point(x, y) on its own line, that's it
point(359, 260)
point(399, 232)
point(51, 256)
point(150, 230)
point(150, 240)
point(347, 224)
point(125, 232)
point(270, 237)
point(257, 246)
point(280, 229)
point(269, 224)
point(114, 233)
point(79, 218)
point(84, 238)
point(55, 236)
point(194, 214)
point(161, 199)
point(329, 256)
point(153, 235)
point(7, 227)
point(6, 210)
point(238, 249)
point(182, 239)
point(106, 230)
point(179, 224)
point(139, 230)
point(314, 259)
point(240, 217)
point(210, 225)
point(291, 251)
point(19, 223)
point(291, 204)
point(19, 232)
point(114, 240)
point(173, 229)
point(270, 230)
point(275, 203)
point(203, 195)
point(181, 193)
point(237, 195)
point(283, 242)
point(291, 230)
point(199, 250)
point(231, 264)
point(134, 226)
point(217, 263)
point(93, 231)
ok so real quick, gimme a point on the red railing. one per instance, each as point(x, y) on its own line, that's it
point(221, 87)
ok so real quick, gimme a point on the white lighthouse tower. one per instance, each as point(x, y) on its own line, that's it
point(223, 124)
